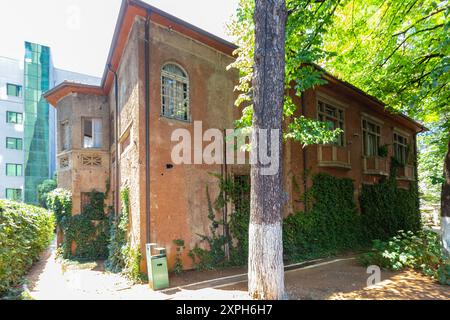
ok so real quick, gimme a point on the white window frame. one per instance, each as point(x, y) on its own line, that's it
point(183, 99)
point(97, 133)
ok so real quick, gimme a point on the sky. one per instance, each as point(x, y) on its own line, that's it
point(79, 32)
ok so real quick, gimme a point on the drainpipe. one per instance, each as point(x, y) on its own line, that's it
point(305, 157)
point(147, 124)
point(116, 142)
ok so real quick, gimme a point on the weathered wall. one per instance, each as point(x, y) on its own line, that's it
point(130, 103)
point(82, 174)
point(179, 206)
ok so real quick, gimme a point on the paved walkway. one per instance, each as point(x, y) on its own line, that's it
point(342, 278)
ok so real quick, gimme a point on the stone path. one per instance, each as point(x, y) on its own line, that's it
point(51, 279)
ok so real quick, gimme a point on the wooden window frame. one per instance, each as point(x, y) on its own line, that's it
point(340, 109)
point(366, 132)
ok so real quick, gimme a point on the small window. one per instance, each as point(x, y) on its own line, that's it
point(122, 94)
point(92, 133)
point(14, 143)
point(335, 117)
point(14, 117)
point(85, 200)
point(371, 138)
point(400, 148)
point(65, 136)
point(13, 170)
point(14, 194)
point(174, 93)
point(125, 142)
point(14, 90)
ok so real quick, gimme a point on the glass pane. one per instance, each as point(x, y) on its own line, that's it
point(98, 135)
point(87, 135)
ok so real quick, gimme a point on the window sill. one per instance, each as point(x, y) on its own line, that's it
point(161, 116)
point(335, 164)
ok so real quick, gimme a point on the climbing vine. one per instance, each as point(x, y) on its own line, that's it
point(229, 248)
point(331, 224)
point(122, 256)
point(386, 208)
point(85, 235)
point(178, 267)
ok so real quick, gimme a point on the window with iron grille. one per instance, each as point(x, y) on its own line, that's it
point(174, 93)
point(371, 138)
point(335, 117)
point(400, 148)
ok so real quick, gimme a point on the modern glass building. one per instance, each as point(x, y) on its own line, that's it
point(36, 124)
point(28, 140)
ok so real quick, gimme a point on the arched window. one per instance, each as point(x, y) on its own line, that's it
point(174, 93)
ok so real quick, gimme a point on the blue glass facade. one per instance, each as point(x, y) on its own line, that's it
point(36, 122)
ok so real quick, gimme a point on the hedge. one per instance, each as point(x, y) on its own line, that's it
point(25, 232)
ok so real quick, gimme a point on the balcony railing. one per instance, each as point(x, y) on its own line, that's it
point(82, 159)
point(333, 156)
point(376, 166)
point(406, 172)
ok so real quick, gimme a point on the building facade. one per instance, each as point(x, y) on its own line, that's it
point(164, 74)
point(28, 143)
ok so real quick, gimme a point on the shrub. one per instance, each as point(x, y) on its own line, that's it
point(60, 202)
point(43, 190)
point(443, 274)
point(421, 251)
point(25, 231)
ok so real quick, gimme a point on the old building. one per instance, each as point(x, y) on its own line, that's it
point(28, 148)
point(164, 74)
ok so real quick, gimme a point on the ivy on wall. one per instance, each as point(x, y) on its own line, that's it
point(235, 192)
point(122, 256)
point(330, 226)
point(87, 232)
point(386, 208)
point(332, 223)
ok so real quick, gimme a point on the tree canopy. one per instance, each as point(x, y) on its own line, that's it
point(397, 51)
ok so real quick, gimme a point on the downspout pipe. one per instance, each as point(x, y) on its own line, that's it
point(116, 140)
point(147, 126)
point(305, 157)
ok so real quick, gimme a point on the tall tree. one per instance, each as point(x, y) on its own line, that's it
point(445, 204)
point(399, 51)
point(271, 58)
point(265, 262)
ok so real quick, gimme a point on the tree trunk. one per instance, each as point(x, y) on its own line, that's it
point(265, 261)
point(445, 204)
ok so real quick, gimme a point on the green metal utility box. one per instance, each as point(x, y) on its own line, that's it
point(158, 275)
